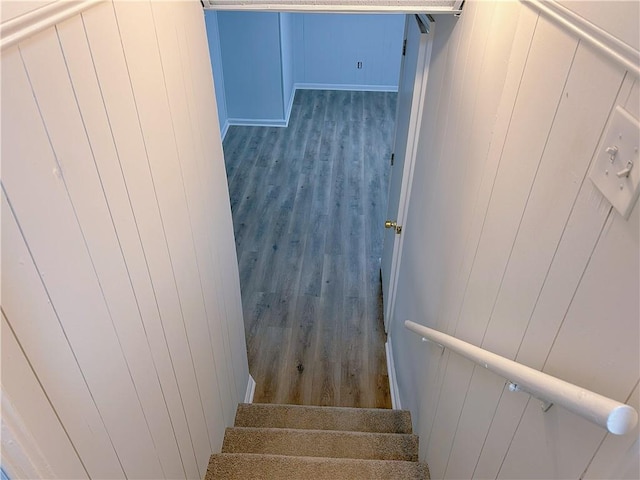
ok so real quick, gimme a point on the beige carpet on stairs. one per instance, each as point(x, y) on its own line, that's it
point(292, 442)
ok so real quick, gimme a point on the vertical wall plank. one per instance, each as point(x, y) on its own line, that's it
point(536, 104)
point(571, 257)
point(121, 283)
point(552, 52)
point(588, 95)
point(29, 401)
point(47, 71)
point(87, 92)
point(115, 83)
point(610, 284)
point(27, 303)
point(192, 43)
point(454, 46)
point(499, 249)
point(148, 88)
point(191, 155)
point(52, 243)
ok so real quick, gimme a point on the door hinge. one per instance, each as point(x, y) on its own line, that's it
point(393, 156)
point(404, 47)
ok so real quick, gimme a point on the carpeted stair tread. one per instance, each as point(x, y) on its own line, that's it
point(321, 443)
point(323, 418)
point(274, 467)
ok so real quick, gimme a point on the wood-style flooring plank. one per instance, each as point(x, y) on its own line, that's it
point(308, 204)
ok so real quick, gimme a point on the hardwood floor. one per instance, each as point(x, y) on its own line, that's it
point(308, 205)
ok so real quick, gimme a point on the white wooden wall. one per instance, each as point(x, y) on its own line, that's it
point(122, 337)
point(508, 245)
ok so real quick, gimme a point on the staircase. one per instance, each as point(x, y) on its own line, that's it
point(321, 443)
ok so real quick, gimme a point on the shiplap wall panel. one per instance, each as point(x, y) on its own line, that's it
point(576, 246)
point(536, 105)
point(481, 176)
point(478, 103)
point(116, 89)
point(202, 116)
point(145, 71)
point(46, 68)
point(26, 299)
point(477, 194)
point(456, 48)
point(502, 28)
point(618, 456)
point(546, 71)
point(440, 54)
point(193, 45)
point(55, 238)
point(607, 291)
point(30, 402)
point(515, 59)
point(505, 259)
point(579, 237)
point(587, 97)
point(606, 296)
point(465, 106)
point(87, 92)
point(116, 180)
point(190, 153)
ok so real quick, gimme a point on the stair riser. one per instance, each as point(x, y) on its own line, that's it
point(323, 418)
point(245, 466)
point(318, 443)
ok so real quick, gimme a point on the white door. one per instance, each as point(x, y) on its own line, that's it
point(411, 92)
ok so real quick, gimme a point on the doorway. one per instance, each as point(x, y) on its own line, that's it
point(308, 205)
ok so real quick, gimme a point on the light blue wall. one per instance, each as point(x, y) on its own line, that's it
point(328, 47)
point(211, 20)
point(250, 45)
point(287, 42)
point(259, 58)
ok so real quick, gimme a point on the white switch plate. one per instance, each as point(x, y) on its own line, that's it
point(623, 133)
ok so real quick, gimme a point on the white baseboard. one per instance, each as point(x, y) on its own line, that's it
point(347, 87)
point(251, 389)
point(225, 129)
point(270, 122)
point(290, 105)
point(257, 122)
point(393, 378)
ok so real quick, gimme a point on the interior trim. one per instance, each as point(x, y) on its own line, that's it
point(251, 390)
point(20, 28)
point(607, 44)
point(339, 6)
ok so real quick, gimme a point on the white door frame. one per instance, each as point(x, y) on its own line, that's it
point(417, 107)
point(345, 6)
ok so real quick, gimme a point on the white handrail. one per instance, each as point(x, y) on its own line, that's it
point(616, 417)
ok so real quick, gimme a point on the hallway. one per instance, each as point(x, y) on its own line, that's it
point(308, 204)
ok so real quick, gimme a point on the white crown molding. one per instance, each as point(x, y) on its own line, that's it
point(607, 44)
point(17, 29)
